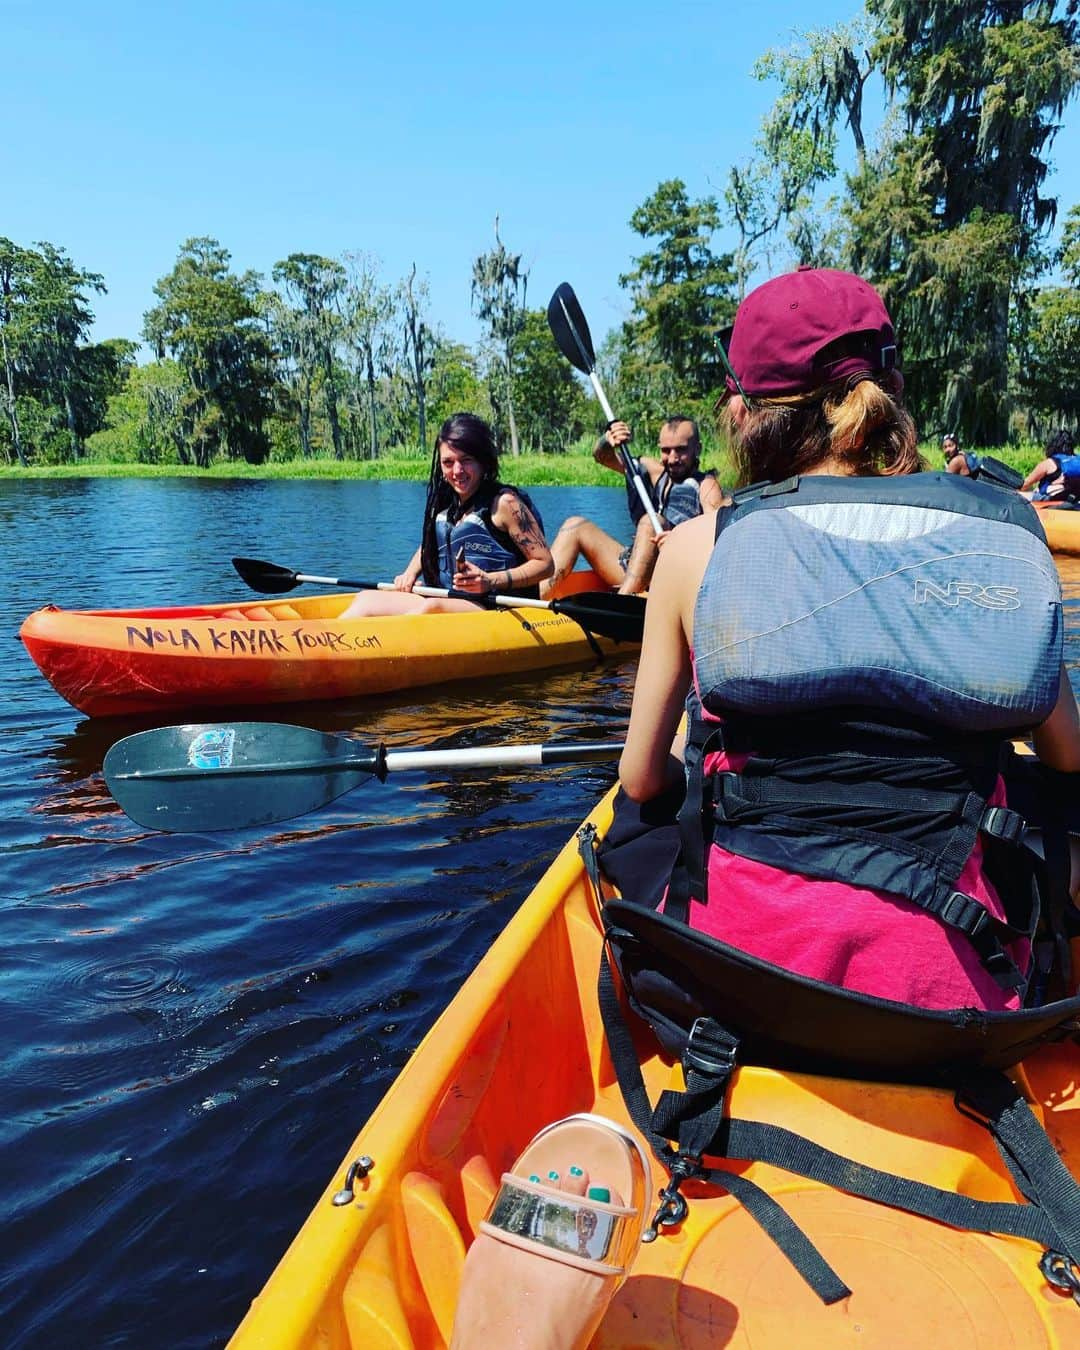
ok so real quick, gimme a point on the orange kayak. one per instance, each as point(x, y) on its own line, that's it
point(1062, 527)
point(120, 661)
point(521, 1046)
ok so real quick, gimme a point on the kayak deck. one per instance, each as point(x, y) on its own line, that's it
point(112, 662)
point(520, 1046)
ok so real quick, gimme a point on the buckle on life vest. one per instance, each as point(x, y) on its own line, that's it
point(963, 912)
point(1001, 823)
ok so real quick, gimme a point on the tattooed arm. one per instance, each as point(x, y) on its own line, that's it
point(512, 515)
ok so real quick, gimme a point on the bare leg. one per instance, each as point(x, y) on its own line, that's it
point(642, 560)
point(374, 604)
point(581, 538)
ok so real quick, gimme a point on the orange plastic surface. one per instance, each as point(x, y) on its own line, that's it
point(521, 1046)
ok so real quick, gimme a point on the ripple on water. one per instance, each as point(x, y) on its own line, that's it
point(141, 978)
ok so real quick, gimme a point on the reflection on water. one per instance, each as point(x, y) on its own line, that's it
point(194, 1027)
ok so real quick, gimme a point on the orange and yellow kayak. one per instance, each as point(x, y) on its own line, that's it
point(120, 661)
point(521, 1046)
point(1062, 527)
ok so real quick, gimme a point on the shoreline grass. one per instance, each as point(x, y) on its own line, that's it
point(574, 469)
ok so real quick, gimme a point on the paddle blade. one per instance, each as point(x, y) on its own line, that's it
point(264, 576)
point(569, 329)
point(618, 617)
point(225, 776)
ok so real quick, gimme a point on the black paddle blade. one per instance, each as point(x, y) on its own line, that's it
point(618, 617)
point(265, 577)
point(569, 329)
point(225, 776)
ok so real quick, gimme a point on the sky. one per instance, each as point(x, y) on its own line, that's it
point(400, 130)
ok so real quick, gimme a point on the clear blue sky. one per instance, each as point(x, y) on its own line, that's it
point(400, 129)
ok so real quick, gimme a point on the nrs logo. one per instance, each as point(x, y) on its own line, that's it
point(986, 597)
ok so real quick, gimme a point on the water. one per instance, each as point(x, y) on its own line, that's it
point(193, 1028)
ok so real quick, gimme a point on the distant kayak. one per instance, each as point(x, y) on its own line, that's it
point(123, 661)
point(379, 1260)
point(1062, 527)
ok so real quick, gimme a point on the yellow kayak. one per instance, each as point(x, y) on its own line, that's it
point(122, 661)
point(521, 1046)
point(1062, 527)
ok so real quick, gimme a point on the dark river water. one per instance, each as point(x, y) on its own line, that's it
point(194, 1027)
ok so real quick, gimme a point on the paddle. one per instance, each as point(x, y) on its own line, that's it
point(226, 776)
point(571, 334)
point(619, 617)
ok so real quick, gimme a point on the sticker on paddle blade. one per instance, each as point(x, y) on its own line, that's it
point(212, 749)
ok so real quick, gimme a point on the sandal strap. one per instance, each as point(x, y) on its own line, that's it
point(569, 1226)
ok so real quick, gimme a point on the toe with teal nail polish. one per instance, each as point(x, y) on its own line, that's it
point(553, 1176)
point(600, 1193)
point(576, 1172)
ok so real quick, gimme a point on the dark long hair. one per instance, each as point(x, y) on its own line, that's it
point(1060, 443)
point(472, 436)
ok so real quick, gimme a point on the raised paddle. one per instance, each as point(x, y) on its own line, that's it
point(618, 617)
point(223, 776)
point(571, 334)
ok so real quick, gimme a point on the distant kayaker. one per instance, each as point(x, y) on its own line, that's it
point(479, 535)
point(679, 488)
point(1055, 480)
point(814, 677)
point(957, 460)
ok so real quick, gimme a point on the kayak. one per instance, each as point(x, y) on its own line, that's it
point(1062, 527)
point(521, 1046)
point(121, 661)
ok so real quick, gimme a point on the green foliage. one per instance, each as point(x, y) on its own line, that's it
point(499, 284)
point(682, 293)
point(52, 387)
point(1048, 374)
point(210, 321)
point(949, 217)
point(552, 408)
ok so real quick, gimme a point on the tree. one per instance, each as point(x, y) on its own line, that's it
point(369, 317)
point(948, 217)
point(499, 284)
point(45, 316)
point(1049, 348)
point(311, 330)
point(550, 401)
point(210, 320)
point(796, 149)
point(419, 343)
point(681, 289)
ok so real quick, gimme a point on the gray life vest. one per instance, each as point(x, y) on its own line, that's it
point(485, 544)
point(928, 595)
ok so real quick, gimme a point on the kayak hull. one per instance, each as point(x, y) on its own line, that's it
point(118, 662)
point(520, 1046)
point(1062, 527)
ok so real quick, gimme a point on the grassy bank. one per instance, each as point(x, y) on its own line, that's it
point(574, 469)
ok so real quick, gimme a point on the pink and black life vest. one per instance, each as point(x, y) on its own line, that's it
point(863, 649)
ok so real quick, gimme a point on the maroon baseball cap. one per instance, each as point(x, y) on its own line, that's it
point(805, 329)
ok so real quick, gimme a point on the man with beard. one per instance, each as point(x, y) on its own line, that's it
point(679, 489)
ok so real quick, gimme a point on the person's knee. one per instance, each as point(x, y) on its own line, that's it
point(572, 525)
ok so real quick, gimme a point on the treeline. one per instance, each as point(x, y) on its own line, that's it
point(943, 208)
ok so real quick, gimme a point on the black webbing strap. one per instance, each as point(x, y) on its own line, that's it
point(751, 804)
point(1027, 1151)
point(1051, 1217)
point(759, 1204)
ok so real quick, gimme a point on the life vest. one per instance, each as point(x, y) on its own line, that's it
point(857, 712)
point(676, 502)
point(866, 700)
point(485, 544)
point(1066, 479)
